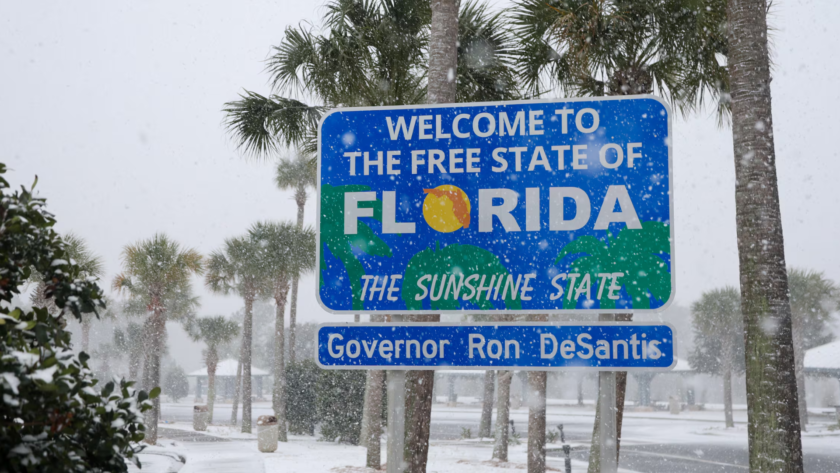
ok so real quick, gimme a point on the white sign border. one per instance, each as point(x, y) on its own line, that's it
point(670, 139)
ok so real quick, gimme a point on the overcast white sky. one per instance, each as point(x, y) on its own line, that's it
point(116, 106)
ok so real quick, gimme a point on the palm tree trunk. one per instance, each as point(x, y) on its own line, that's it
point(278, 398)
point(580, 389)
point(86, 333)
point(376, 378)
point(595, 447)
point(293, 320)
point(772, 401)
point(443, 51)
point(158, 334)
point(135, 362)
point(419, 392)
point(727, 356)
point(247, 330)
point(300, 199)
point(620, 393)
point(500, 448)
point(727, 398)
point(211, 394)
point(537, 381)
point(212, 363)
point(237, 388)
point(443, 61)
point(799, 356)
point(148, 352)
point(537, 384)
point(484, 426)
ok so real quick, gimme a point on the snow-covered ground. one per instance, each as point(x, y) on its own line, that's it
point(238, 453)
point(699, 435)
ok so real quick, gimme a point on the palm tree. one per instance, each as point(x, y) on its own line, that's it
point(772, 402)
point(287, 251)
point(214, 332)
point(156, 275)
point(374, 53)
point(238, 267)
point(636, 253)
point(90, 266)
point(296, 174)
point(811, 295)
point(623, 47)
point(719, 342)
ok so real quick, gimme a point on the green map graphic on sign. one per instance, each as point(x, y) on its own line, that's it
point(459, 276)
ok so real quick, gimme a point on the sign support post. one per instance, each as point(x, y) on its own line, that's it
point(396, 416)
point(607, 429)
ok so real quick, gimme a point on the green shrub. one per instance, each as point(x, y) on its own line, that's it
point(53, 415)
point(301, 393)
point(341, 397)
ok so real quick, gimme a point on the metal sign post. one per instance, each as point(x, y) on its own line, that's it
point(396, 416)
point(607, 435)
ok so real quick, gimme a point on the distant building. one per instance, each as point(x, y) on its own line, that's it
point(226, 380)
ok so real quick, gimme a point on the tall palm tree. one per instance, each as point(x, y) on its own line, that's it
point(374, 53)
point(90, 266)
point(811, 297)
point(718, 331)
point(623, 47)
point(214, 332)
point(772, 403)
point(239, 268)
point(287, 251)
point(297, 174)
point(156, 276)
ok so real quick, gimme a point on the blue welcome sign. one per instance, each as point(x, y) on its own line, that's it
point(593, 347)
point(517, 207)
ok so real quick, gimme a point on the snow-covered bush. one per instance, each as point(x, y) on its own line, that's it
point(53, 415)
point(341, 399)
point(301, 393)
point(176, 385)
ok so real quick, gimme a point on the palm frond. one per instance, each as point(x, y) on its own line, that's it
point(90, 265)
point(262, 124)
point(295, 173)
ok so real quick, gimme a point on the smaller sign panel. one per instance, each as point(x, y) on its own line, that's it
point(523, 346)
